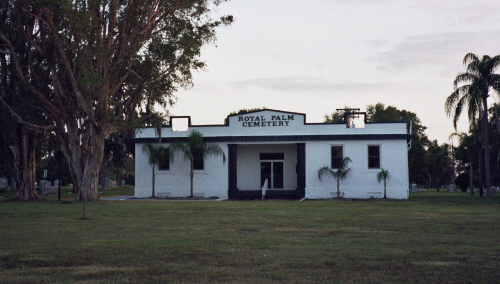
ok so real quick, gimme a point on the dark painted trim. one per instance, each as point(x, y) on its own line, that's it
point(301, 170)
point(232, 180)
point(270, 194)
point(284, 138)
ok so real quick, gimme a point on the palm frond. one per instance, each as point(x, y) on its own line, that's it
point(154, 153)
point(213, 150)
point(324, 171)
point(383, 175)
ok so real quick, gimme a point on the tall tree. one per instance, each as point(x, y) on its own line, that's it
point(440, 168)
point(195, 147)
point(96, 53)
point(17, 105)
point(472, 88)
point(339, 174)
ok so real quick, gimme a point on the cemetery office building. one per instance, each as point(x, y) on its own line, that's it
point(280, 147)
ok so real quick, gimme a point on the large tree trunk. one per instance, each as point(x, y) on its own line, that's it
point(486, 144)
point(84, 158)
point(25, 158)
point(92, 165)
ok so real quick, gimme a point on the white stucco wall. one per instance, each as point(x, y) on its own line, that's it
point(210, 182)
point(362, 182)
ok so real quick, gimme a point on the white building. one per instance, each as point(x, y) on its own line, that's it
point(281, 147)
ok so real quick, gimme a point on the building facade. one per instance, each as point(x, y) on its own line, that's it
point(278, 152)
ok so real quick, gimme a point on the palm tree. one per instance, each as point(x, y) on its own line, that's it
point(341, 173)
point(472, 88)
point(196, 147)
point(384, 175)
point(155, 155)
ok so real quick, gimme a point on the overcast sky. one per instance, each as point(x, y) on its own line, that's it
point(316, 56)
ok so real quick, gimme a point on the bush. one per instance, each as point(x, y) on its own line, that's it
point(462, 181)
point(130, 179)
point(64, 181)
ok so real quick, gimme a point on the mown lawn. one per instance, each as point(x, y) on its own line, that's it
point(432, 238)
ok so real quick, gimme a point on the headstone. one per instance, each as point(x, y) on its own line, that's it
point(452, 188)
point(414, 187)
point(4, 182)
point(113, 183)
point(123, 183)
point(56, 183)
point(51, 191)
point(493, 189)
point(44, 184)
point(106, 183)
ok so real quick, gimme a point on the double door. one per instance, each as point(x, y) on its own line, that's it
point(273, 172)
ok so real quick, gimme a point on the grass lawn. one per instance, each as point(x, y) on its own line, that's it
point(435, 237)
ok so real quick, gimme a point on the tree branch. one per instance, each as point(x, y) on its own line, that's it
point(27, 124)
point(47, 104)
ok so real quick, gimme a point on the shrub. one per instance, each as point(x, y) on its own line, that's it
point(462, 181)
point(64, 181)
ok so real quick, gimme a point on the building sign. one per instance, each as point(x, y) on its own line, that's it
point(265, 121)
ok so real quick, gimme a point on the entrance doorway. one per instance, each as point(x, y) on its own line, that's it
point(271, 168)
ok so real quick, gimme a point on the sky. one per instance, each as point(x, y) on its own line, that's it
point(316, 56)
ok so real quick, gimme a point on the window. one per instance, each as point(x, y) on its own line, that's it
point(337, 156)
point(272, 156)
point(198, 160)
point(165, 162)
point(374, 157)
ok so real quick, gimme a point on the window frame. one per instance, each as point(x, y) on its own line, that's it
point(331, 155)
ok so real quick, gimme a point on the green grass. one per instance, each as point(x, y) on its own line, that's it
point(435, 237)
point(68, 195)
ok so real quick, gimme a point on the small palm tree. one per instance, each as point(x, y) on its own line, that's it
point(195, 146)
point(384, 175)
point(155, 155)
point(341, 173)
